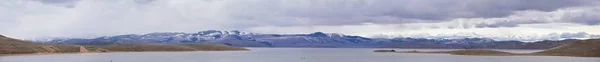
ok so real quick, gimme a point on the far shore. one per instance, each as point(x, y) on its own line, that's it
point(473, 52)
point(101, 52)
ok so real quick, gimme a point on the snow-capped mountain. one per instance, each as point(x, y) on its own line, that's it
point(512, 37)
point(316, 39)
point(236, 38)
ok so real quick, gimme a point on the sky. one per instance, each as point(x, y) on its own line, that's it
point(29, 19)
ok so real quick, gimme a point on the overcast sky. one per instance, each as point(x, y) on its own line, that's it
point(91, 18)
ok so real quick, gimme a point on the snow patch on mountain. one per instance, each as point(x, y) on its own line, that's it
point(515, 37)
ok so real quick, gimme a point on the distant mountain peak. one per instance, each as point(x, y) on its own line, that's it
point(318, 34)
point(316, 39)
point(217, 32)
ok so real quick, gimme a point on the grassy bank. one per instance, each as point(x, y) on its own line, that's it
point(581, 48)
point(10, 46)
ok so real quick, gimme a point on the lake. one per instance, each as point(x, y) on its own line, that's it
point(290, 55)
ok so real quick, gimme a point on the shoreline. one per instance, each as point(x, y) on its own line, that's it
point(483, 52)
point(3, 55)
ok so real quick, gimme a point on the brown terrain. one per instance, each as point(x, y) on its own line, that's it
point(583, 48)
point(579, 48)
point(10, 46)
point(384, 51)
point(15, 46)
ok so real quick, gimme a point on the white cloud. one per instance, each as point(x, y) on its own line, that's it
point(90, 18)
point(522, 25)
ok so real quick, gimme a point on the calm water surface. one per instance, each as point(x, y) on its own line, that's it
point(289, 55)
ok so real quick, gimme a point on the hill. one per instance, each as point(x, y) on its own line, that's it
point(583, 48)
point(15, 46)
point(579, 48)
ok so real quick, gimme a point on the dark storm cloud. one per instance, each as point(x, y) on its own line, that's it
point(587, 21)
point(78, 17)
point(345, 12)
point(588, 18)
point(352, 12)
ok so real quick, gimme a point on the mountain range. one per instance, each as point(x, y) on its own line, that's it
point(316, 39)
point(526, 37)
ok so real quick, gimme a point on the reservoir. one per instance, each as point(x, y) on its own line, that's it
point(290, 55)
